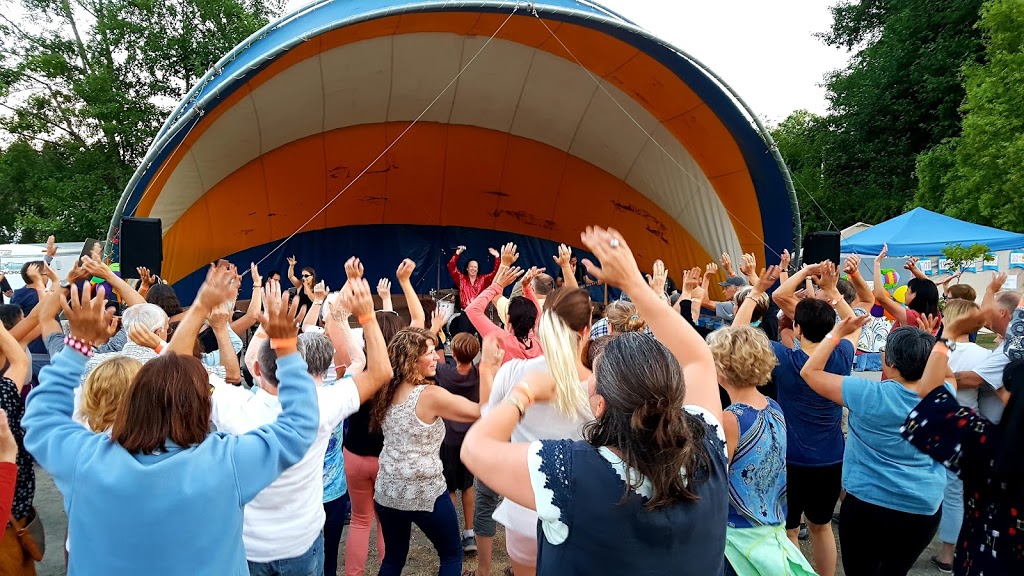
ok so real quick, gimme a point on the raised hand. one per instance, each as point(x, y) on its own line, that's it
point(292, 261)
point(726, 262)
point(563, 257)
point(220, 286)
point(357, 298)
point(493, 252)
point(618, 266)
point(784, 260)
point(90, 321)
point(849, 325)
point(998, 279)
point(405, 270)
point(491, 352)
point(710, 270)
point(353, 269)
point(384, 289)
point(96, 268)
point(881, 255)
point(146, 278)
point(76, 273)
point(911, 264)
point(509, 254)
point(929, 322)
point(254, 271)
point(531, 274)
point(656, 280)
point(281, 320)
point(320, 292)
point(460, 249)
point(507, 276)
point(748, 264)
point(692, 279)
point(852, 265)
point(968, 323)
point(437, 320)
point(767, 279)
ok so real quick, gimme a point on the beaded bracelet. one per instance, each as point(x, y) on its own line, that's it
point(75, 344)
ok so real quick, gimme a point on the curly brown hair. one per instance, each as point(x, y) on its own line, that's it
point(403, 350)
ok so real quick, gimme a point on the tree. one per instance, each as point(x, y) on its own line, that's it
point(84, 86)
point(899, 96)
point(979, 176)
point(801, 139)
point(958, 257)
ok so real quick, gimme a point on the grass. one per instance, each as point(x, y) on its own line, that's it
point(987, 341)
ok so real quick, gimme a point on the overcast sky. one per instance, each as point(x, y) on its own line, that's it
point(766, 51)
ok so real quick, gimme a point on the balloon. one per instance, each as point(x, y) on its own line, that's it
point(900, 295)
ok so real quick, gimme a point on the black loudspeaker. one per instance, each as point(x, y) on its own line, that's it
point(821, 246)
point(141, 245)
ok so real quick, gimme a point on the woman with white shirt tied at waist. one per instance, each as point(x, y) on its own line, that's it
point(563, 332)
point(283, 525)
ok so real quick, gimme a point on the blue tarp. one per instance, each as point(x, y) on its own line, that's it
point(921, 232)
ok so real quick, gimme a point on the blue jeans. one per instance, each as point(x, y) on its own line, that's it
point(334, 524)
point(311, 563)
point(441, 527)
point(952, 509)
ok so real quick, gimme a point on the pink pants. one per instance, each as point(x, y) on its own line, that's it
point(361, 475)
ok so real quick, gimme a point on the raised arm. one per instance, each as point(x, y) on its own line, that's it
point(260, 456)
point(453, 266)
point(357, 297)
point(291, 272)
point(911, 266)
point(882, 296)
point(384, 291)
point(993, 288)
point(498, 259)
point(228, 359)
point(320, 292)
point(17, 361)
point(527, 284)
point(785, 296)
point(219, 287)
point(417, 318)
point(618, 268)
point(563, 261)
point(827, 385)
point(476, 308)
point(252, 313)
point(852, 270)
point(760, 288)
point(784, 262)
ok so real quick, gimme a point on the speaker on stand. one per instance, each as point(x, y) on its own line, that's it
point(141, 245)
point(821, 246)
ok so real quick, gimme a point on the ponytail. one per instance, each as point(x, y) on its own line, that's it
point(566, 315)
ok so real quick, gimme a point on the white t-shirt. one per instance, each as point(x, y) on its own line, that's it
point(542, 422)
point(286, 517)
point(991, 371)
point(966, 357)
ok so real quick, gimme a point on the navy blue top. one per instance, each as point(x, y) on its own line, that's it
point(587, 528)
point(757, 475)
point(813, 423)
point(27, 298)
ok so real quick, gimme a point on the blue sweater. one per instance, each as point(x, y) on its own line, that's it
point(175, 513)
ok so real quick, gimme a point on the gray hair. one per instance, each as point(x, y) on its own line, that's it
point(315, 349)
point(148, 315)
point(1008, 299)
point(318, 352)
point(543, 284)
point(907, 349)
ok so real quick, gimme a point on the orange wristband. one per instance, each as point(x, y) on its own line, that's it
point(366, 318)
point(276, 343)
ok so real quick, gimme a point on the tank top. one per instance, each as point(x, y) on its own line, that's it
point(411, 476)
point(757, 475)
point(360, 440)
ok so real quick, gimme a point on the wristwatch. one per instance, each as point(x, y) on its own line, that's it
point(951, 344)
point(64, 285)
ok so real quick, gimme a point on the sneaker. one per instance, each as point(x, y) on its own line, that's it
point(942, 566)
point(804, 535)
point(469, 544)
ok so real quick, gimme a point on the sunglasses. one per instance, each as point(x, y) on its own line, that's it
point(307, 275)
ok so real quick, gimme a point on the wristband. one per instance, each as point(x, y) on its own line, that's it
point(852, 274)
point(525, 388)
point(276, 343)
point(364, 318)
point(518, 404)
point(942, 349)
point(832, 337)
point(81, 346)
point(320, 303)
point(160, 347)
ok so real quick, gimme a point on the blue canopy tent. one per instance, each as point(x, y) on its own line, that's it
point(922, 232)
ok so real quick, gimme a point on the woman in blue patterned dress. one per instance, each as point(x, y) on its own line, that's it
point(755, 431)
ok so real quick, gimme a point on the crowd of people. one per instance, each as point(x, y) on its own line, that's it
point(627, 439)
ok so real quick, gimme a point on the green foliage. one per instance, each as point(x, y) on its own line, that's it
point(958, 257)
point(84, 87)
point(979, 176)
point(801, 139)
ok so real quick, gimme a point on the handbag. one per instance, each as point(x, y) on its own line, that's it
point(31, 537)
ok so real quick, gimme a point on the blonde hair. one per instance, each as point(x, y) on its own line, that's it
point(566, 314)
point(105, 390)
point(743, 355)
point(623, 317)
point(956, 308)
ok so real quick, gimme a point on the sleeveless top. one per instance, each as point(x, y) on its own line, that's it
point(757, 475)
point(587, 527)
point(411, 476)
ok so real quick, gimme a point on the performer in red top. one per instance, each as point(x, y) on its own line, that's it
point(470, 285)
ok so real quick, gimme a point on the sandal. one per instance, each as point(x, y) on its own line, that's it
point(944, 567)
